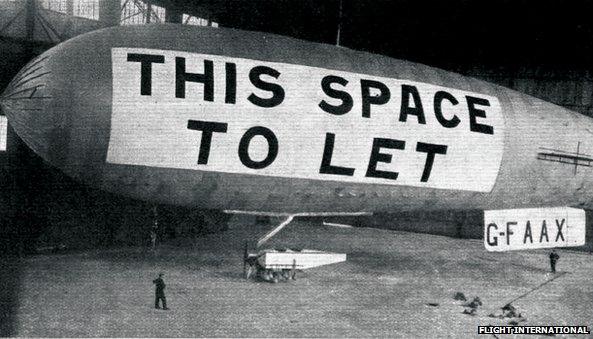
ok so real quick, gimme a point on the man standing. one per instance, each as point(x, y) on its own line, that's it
point(160, 292)
point(553, 258)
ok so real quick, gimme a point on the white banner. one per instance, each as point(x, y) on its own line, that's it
point(520, 229)
point(202, 112)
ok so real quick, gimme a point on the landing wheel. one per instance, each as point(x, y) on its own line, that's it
point(269, 275)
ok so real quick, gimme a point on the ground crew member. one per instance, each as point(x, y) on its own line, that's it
point(553, 258)
point(160, 292)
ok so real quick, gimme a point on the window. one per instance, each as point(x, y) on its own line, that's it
point(55, 5)
point(136, 12)
point(158, 14)
point(82, 8)
point(193, 20)
point(3, 132)
point(87, 9)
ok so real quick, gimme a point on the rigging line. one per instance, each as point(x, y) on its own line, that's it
point(44, 28)
point(16, 84)
point(23, 77)
point(29, 80)
point(33, 93)
point(124, 5)
point(560, 151)
point(21, 91)
point(145, 11)
point(33, 64)
point(21, 108)
point(9, 23)
point(339, 24)
point(139, 6)
point(21, 98)
point(577, 158)
point(50, 26)
point(537, 287)
point(131, 16)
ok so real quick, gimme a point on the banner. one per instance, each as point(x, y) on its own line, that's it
point(183, 110)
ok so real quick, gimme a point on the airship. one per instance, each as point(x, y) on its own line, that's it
point(225, 119)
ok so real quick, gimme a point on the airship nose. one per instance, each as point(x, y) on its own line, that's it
point(25, 101)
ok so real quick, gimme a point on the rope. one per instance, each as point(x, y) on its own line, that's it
point(536, 288)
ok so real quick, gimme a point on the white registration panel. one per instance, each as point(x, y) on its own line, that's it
point(519, 229)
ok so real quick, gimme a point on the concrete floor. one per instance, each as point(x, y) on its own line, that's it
point(381, 291)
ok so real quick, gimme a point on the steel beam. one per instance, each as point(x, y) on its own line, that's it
point(173, 15)
point(109, 12)
point(31, 12)
point(70, 7)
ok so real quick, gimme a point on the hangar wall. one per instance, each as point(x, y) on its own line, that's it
point(44, 209)
point(572, 89)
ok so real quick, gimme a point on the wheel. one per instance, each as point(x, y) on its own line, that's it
point(276, 277)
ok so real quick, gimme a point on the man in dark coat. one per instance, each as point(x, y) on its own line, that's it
point(553, 258)
point(160, 292)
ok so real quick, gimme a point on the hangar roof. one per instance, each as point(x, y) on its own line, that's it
point(501, 32)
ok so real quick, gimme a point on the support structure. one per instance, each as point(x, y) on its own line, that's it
point(148, 11)
point(173, 15)
point(275, 230)
point(290, 216)
point(30, 14)
point(338, 35)
point(109, 12)
point(70, 7)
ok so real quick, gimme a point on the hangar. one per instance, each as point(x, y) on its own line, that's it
point(522, 54)
point(541, 49)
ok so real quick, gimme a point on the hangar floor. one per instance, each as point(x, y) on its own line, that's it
point(383, 290)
